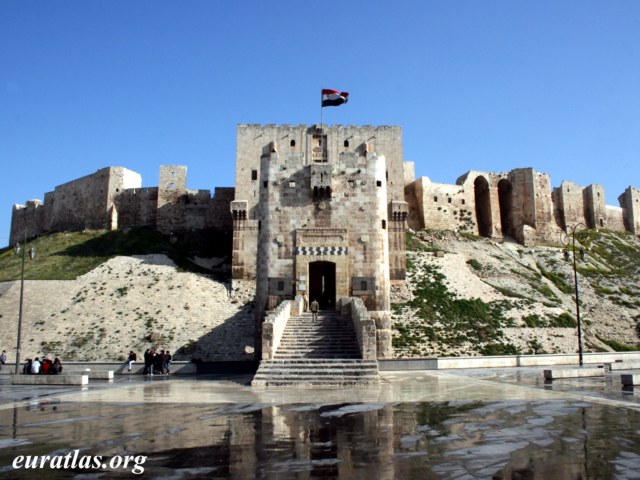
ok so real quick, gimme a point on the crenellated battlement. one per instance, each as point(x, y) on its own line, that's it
point(520, 203)
point(112, 198)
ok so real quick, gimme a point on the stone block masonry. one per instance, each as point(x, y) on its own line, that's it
point(325, 204)
point(518, 204)
point(112, 198)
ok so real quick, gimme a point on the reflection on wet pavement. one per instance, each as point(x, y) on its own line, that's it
point(429, 426)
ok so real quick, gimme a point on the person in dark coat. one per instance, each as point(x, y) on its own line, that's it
point(158, 360)
point(148, 366)
point(314, 307)
point(56, 368)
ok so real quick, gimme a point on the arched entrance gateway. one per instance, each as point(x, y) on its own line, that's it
point(504, 200)
point(322, 284)
point(483, 206)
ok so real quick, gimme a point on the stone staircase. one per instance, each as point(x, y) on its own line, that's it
point(313, 354)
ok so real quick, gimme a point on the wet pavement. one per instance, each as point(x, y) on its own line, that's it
point(502, 423)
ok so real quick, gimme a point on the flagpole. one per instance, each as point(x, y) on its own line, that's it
point(321, 111)
point(321, 126)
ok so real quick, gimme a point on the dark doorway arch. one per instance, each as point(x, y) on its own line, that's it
point(506, 206)
point(483, 206)
point(322, 284)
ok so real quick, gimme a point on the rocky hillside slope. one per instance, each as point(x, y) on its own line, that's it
point(465, 296)
point(129, 303)
point(472, 296)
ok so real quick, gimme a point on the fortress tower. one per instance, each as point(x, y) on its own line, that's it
point(630, 201)
point(319, 212)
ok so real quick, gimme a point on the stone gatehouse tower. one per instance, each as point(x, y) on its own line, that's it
point(319, 212)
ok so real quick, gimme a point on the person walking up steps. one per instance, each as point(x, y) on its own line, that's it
point(314, 307)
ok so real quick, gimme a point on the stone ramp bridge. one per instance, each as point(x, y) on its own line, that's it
point(340, 348)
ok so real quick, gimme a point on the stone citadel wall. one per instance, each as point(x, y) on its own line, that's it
point(519, 203)
point(112, 198)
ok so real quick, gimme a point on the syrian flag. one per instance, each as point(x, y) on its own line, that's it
point(333, 98)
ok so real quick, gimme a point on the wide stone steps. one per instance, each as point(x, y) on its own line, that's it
point(323, 353)
point(312, 375)
point(310, 355)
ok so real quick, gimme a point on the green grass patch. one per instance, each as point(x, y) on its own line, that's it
point(414, 244)
point(556, 279)
point(546, 291)
point(470, 236)
point(507, 292)
point(65, 256)
point(602, 291)
point(476, 265)
point(564, 320)
point(594, 272)
point(619, 346)
point(533, 321)
point(450, 321)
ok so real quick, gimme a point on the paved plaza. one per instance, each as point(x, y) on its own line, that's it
point(502, 423)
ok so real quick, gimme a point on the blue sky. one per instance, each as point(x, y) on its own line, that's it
point(484, 85)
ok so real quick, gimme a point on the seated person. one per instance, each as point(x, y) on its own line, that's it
point(56, 368)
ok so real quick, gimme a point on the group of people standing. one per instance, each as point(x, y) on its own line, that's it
point(46, 366)
point(158, 363)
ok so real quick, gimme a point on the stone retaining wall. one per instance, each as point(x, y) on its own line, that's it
point(504, 361)
point(275, 323)
point(365, 327)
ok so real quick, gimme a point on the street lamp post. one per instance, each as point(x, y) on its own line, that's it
point(570, 238)
point(32, 254)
